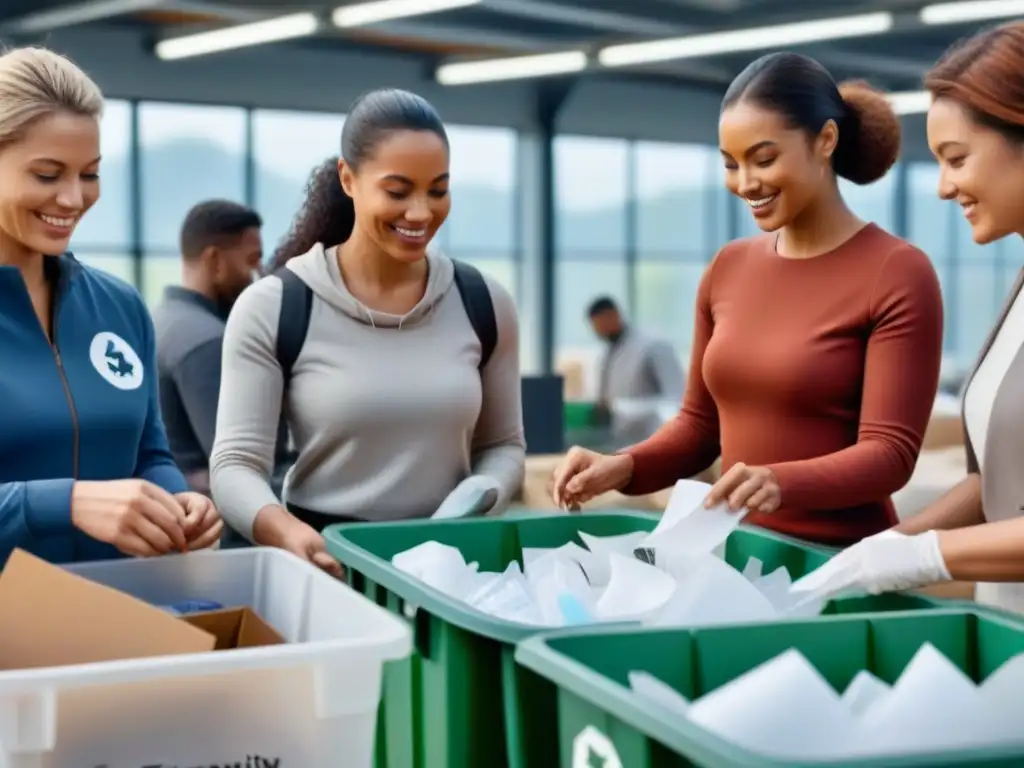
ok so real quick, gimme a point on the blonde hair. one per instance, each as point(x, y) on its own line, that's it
point(36, 83)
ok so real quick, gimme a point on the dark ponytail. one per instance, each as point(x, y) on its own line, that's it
point(804, 93)
point(869, 137)
point(328, 215)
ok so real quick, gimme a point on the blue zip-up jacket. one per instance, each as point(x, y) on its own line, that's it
point(82, 408)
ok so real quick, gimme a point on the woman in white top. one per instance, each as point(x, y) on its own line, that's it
point(976, 531)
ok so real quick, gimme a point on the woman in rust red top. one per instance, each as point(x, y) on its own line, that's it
point(817, 344)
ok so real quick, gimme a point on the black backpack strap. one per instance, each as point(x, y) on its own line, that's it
point(293, 322)
point(476, 298)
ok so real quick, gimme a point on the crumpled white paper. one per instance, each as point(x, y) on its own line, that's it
point(671, 576)
point(785, 709)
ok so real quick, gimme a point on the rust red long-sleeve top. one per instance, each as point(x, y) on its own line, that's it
point(824, 370)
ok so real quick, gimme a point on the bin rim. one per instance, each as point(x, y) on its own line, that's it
point(434, 601)
point(537, 655)
point(460, 614)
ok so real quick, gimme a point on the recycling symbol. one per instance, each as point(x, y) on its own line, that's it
point(592, 749)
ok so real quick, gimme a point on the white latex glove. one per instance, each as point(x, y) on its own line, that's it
point(476, 495)
point(886, 562)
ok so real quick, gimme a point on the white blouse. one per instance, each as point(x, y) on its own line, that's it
point(978, 402)
point(981, 393)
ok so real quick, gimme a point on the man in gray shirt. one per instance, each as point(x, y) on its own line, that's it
point(221, 254)
point(635, 368)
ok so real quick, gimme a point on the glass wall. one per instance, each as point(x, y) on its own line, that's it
point(105, 237)
point(187, 154)
point(483, 228)
point(975, 278)
point(636, 221)
point(680, 223)
point(592, 237)
point(286, 147)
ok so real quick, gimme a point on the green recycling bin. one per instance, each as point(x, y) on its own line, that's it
point(579, 415)
point(460, 700)
point(602, 722)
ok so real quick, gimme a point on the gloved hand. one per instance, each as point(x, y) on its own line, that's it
point(476, 495)
point(886, 562)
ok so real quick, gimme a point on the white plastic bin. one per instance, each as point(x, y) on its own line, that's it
point(309, 704)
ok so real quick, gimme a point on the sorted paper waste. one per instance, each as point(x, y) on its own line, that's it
point(672, 576)
point(785, 709)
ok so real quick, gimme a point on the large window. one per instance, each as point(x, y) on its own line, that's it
point(591, 199)
point(287, 146)
point(872, 202)
point(679, 226)
point(189, 154)
point(104, 237)
point(975, 278)
point(482, 226)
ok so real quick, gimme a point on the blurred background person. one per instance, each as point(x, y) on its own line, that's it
point(638, 375)
point(818, 344)
point(221, 254)
point(85, 471)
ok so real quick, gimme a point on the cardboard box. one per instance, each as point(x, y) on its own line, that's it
point(51, 617)
point(235, 628)
point(944, 431)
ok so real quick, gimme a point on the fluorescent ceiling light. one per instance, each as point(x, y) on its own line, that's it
point(361, 14)
point(239, 36)
point(517, 68)
point(756, 38)
point(980, 10)
point(910, 102)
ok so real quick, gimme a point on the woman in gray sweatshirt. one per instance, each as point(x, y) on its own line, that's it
point(394, 401)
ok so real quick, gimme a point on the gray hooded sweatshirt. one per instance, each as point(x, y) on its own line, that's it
point(388, 413)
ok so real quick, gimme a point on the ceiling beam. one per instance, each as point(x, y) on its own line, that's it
point(718, 6)
point(872, 64)
point(580, 16)
point(512, 42)
point(73, 14)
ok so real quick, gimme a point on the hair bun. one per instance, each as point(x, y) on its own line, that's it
point(869, 139)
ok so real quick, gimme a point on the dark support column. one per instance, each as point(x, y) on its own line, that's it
point(632, 213)
point(953, 297)
point(733, 212)
point(135, 198)
point(901, 200)
point(551, 95)
point(250, 160)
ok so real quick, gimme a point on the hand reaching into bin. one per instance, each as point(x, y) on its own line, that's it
point(136, 516)
point(886, 562)
point(277, 527)
point(586, 474)
point(743, 487)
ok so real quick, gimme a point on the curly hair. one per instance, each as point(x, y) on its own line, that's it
point(328, 215)
point(805, 94)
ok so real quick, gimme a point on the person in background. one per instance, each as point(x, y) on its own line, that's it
point(817, 344)
point(974, 533)
point(392, 407)
point(221, 253)
point(634, 367)
point(85, 471)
